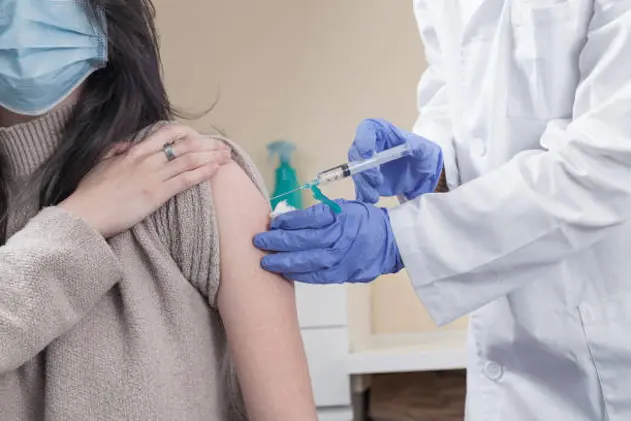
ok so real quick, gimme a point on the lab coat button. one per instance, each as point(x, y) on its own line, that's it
point(493, 371)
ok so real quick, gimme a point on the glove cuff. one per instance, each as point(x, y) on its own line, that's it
point(394, 261)
point(399, 260)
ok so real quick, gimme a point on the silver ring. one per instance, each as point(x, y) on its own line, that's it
point(169, 152)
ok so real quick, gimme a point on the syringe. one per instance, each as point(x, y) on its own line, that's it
point(349, 169)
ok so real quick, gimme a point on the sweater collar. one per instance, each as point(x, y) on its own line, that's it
point(26, 146)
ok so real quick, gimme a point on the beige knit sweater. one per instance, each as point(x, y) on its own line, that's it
point(96, 331)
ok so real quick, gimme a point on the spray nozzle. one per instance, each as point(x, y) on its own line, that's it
point(282, 148)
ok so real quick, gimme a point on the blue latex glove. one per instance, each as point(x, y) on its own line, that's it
point(316, 246)
point(410, 176)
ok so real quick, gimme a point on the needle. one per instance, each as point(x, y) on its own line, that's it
point(289, 192)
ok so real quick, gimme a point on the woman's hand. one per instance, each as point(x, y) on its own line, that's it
point(134, 181)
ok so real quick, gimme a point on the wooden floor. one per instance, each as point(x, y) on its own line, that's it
point(428, 396)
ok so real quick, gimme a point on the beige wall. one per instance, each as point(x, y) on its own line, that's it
point(303, 70)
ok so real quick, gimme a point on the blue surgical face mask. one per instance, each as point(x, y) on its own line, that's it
point(47, 49)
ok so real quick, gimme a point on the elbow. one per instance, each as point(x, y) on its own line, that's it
point(598, 191)
point(582, 183)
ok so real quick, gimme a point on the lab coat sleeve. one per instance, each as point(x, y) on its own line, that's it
point(434, 121)
point(52, 273)
point(495, 234)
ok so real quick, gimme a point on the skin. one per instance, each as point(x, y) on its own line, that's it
point(258, 308)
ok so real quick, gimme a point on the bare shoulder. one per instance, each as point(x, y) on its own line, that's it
point(241, 211)
point(234, 190)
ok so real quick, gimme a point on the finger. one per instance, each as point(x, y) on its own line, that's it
point(418, 147)
point(370, 196)
point(296, 240)
point(299, 262)
point(358, 152)
point(192, 161)
point(371, 177)
point(198, 143)
point(317, 216)
point(366, 194)
point(166, 134)
point(118, 149)
point(386, 135)
point(322, 277)
point(365, 143)
point(186, 180)
point(188, 145)
point(375, 135)
point(328, 276)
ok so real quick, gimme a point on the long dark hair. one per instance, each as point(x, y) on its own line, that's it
point(115, 103)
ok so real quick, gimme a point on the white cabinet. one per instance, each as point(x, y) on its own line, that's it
point(323, 316)
point(327, 351)
point(335, 414)
point(321, 306)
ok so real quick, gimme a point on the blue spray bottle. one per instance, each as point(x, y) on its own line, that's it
point(286, 178)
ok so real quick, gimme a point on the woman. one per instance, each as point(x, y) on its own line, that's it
point(138, 327)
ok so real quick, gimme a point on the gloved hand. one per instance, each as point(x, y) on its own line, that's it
point(410, 176)
point(316, 246)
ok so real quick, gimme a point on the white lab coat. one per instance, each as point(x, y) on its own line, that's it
point(531, 102)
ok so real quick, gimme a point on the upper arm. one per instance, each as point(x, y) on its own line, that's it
point(241, 211)
point(426, 21)
point(434, 121)
point(258, 308)
point(432, 92)
point(596, 145)
point(604, 89)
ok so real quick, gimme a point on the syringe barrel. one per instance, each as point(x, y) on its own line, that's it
point(380, 158)
point(355, 167)
point(334, 174)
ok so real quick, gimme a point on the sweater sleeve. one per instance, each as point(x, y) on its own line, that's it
point(189, 224)
point(52, 272)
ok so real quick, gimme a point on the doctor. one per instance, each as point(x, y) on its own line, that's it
point(530, 102)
